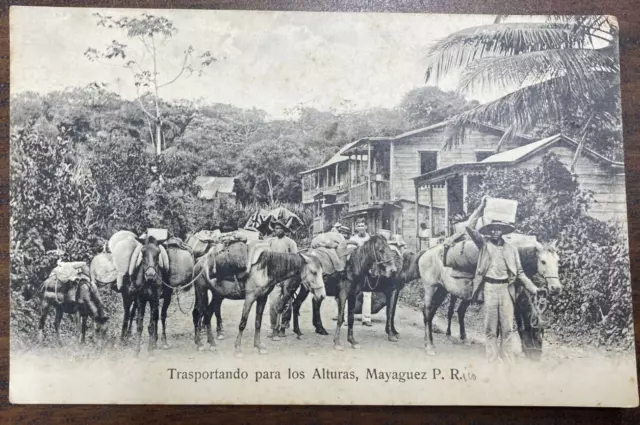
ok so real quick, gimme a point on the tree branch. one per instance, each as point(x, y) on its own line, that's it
point(139, 98)
point(184, 66)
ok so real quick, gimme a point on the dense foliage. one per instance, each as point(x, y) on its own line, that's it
point(594, 255)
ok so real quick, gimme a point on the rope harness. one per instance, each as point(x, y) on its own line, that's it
point(540, 303)
point(205, 269)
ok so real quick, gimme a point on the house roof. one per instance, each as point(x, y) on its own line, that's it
point(514, 156)
point(438, 126)
point(523, 152)
point(338, 157)
point(212, 186)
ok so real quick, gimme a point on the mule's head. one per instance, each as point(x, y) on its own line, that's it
point(548, 265)
point(382, 257)
point(311, 276)
point(149, 262)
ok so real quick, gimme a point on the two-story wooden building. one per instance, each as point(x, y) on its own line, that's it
point(383, 190)
point(372, 178)
point(325, 188)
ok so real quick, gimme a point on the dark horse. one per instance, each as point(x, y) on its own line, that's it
point(147, 288)
point(369, 268)
point(267, 269)
point(386, 294)
point(74, 298)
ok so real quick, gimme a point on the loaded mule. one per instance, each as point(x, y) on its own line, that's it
point(68, 289)
point(120, 265)
point(369, 267)
point(539, 263)
point(248, 272)
point(385, 289)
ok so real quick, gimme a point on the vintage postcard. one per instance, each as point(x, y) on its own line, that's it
point(242, 207)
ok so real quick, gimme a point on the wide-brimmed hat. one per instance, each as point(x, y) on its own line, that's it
point(504, 227)
point(345, 229)
point(279, 222)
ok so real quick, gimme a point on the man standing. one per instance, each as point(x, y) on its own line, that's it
point(280, 243)
point(360, 238)
point(498, 268)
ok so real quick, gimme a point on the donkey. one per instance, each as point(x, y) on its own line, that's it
point(539, 262)
point(74, 298)
point(386, 294)
point(254, 286)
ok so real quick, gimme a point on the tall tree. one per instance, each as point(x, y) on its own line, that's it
point(553, 72)
point(151, 32)
point(428, 105)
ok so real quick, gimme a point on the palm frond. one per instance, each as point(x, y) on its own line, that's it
point(544, 103)
point(460, 49)
point(604, 27)
point(508, 72)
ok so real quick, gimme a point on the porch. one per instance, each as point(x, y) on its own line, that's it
point(446, 191)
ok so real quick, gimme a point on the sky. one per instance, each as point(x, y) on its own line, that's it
point(273, 61)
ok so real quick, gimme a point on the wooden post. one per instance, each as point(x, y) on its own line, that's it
point(465, 188)
point(580, 145)
point(326, 184)
point(337, 166)
point(418, 240)
point(350, 176)
point(369, 174)
point(431, 211)
point(391, 170)
point(446, 207)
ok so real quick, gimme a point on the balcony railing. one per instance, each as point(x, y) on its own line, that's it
point(308, 194)
point(359, 194)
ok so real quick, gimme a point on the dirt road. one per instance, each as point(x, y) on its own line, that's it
point(305, 370)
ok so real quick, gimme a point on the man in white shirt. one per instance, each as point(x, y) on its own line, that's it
point(360, 238)
point(279, 243)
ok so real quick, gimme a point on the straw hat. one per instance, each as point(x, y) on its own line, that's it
point(502, 226)
point(281, 223)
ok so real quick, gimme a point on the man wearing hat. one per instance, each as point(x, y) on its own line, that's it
point(497, 270)
point(280, 243)
point(360, 238)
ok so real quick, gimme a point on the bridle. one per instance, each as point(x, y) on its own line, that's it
point(377, 263)
point(305, 282)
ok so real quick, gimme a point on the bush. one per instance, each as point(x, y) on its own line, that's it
point(594, 255)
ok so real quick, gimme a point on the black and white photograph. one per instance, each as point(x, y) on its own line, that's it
point(251, 207)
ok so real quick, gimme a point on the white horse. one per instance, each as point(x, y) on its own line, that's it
point(539, 262)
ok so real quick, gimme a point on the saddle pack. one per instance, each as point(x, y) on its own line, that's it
point(70, 271)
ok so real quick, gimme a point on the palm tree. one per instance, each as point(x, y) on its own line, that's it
point(562, 74)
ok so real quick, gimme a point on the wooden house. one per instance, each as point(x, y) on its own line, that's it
point(409, 185)
point(216, 189)
point(446, 187)
point(382, 190)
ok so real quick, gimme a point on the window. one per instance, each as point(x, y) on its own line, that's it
point(480, 155)
point(428, 161)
